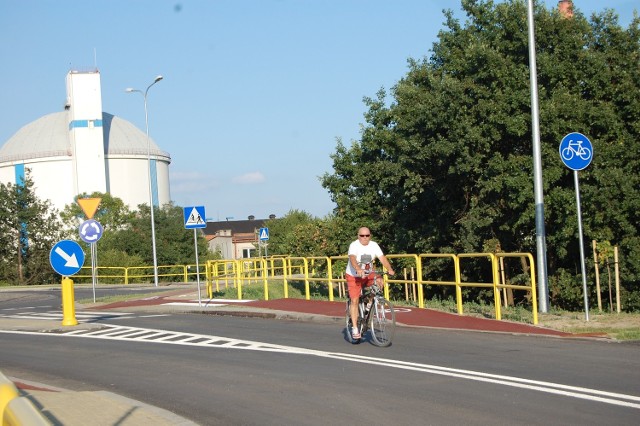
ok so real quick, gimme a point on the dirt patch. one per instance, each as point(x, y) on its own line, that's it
point(576, 322)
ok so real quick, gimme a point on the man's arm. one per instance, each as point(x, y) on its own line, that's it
point(354, 264)
point(386, 264)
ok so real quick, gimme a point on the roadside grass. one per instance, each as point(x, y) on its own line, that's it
point(276, 291)
point(113, 298)
point(624, 334)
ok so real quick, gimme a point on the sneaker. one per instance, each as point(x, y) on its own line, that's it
point(355, 333)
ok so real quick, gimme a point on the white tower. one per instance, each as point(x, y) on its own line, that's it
point(84, 103)
point(85, 150)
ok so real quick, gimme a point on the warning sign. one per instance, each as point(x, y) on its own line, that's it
point(194, 217)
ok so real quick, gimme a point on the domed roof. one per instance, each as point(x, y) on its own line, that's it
point(48, 136)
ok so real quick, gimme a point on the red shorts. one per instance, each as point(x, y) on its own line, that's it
point(355, 284)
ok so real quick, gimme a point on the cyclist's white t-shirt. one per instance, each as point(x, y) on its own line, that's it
point(372, 250)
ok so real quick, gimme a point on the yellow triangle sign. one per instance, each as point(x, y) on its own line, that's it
point(89, 206)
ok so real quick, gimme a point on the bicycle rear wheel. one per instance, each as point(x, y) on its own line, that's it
point(382, 322)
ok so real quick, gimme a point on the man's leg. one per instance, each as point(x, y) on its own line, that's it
point(354, 294)
point(353, 310)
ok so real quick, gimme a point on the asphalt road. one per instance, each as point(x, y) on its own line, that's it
point(260, 371)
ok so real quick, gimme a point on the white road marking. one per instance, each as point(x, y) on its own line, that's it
point(147, 335)
point(85, 316)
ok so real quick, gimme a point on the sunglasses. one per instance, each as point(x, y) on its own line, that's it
point(364, 235)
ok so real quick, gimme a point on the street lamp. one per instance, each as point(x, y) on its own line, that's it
point(153, 225)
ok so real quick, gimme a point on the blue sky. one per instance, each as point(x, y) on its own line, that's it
point(255, 92)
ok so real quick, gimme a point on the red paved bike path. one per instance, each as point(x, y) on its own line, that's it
point(404, 315)
point(410, 316)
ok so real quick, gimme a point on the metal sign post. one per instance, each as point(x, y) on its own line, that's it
point(66, 258)
point(90, 232)
point(194, 219)
point(576, 153)
point(264, 237)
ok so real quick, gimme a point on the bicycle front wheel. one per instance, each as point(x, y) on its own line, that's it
point(382, 322)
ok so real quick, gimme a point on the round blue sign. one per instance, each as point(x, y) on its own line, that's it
point(576, 151)
point(66, 257)
point(90, 231)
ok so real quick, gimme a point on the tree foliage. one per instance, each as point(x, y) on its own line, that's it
point(300, 234)
point(29, 228)
point(127, 238)
point(447, 161)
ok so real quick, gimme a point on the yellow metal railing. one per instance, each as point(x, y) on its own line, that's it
point(307, 269)
point(330, 272)
point(532, 280)
point(423, 270)
point(493, 284)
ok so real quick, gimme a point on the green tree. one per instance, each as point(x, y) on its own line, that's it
point(29, 228)
point(174, 243)
point(112, 213)
point(127, 234)
point(298, 233)
point(447, 163)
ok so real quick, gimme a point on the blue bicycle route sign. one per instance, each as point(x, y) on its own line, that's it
point(576, 151)
point(66, 257)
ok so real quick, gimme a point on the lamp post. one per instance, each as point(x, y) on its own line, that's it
point(153, 225)
point(541, 244)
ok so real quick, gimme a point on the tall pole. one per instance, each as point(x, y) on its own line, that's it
point(541, 245)
point(153, 223)
point(582, 264)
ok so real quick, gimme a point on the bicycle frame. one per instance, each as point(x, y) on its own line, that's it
point(379, 319)
point(575, 148)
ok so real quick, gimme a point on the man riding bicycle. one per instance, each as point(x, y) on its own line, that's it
point(360, 273)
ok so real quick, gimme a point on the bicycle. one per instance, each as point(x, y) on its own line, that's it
point(576, 148)
point(379, 317)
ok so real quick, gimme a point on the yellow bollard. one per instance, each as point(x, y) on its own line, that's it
point(68, 303)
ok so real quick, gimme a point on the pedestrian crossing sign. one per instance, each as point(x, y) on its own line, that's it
point(194, 217)
point(264, 234)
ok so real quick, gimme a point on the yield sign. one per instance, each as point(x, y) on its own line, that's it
point(89, 206)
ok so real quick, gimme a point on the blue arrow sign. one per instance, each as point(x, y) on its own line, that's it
point(576, 151)
point(264, 234)
point(194, 217)
point(90, 231)
point(66, 257)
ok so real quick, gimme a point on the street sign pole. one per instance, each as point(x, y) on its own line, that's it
point(263, 235)
point(576, 152)
point(194, 219)
point(94, 267)
point(90, 232)
point(195, 243)
point(582, 262)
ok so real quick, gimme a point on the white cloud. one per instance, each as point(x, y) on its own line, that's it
point(249, 178)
